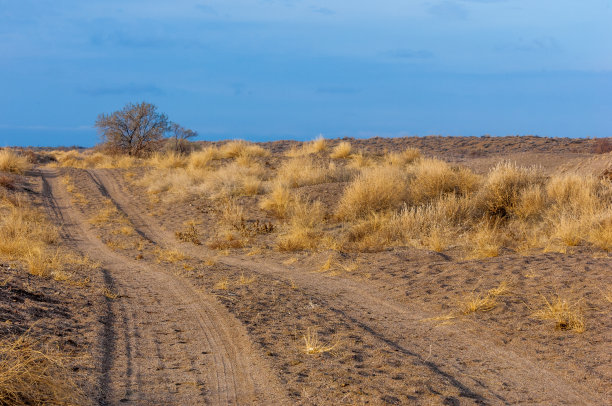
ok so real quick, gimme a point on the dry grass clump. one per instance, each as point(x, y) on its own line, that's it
point(313, 345)
point(301, 231)
point(277, 201)
point(237, 148)
point(302, 171)
point(566, 315)
point(203, 159)
point(232, 180)
point(31, 374)
point(503, 185)
point(403, 158)
point(434, 178)
point(168, 160)
point(12, 162)
point(375, 189)
point(600, 233)
point(483, 303)
point(315, 146)
point(342, 150)
point(89, 160)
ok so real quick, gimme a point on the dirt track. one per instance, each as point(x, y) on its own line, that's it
point(165, 342)
point(162, 342)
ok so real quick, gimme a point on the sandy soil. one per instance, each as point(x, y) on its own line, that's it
point(228, 327)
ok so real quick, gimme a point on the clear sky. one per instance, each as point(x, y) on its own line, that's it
point(272, 69)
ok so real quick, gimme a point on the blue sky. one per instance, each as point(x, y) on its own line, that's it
point(273, 69)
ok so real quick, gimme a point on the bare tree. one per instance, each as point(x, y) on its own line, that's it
point(180, 136)
point(136, 130)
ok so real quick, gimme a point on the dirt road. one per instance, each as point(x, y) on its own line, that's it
point(480, 370)
point(161, 340)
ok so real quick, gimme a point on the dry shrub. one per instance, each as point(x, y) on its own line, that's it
point(315, 146)
point(602, 146)
point(12, 162)
point(374, 190)
point(168, 160)
point(486, 240)
point(31, 374)
point(566, 315)
point(204, 158)
point(342, 150)
point(483, 302)
point(572, 192)
point(234, 180)
point(502, 187)
point(302, 171)
point(277, 201)
point(601, 233)
point(360, 161)
point(531, 203)
point(236, 148)
point(7, 182)
point(313, 345)
point(403, 158)
point(434, 178)
point(301, 231)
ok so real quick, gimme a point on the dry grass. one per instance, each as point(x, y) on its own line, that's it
point(277, 201)
point(12, 162)
point(169, 255)
point(315, 146)
point(27, 236)
point(566, 315)
point(374, 190)
point(342, 150)
point(31, 374)
point(238, 148)
point(313, 345)
point(403, 158)
point(203, 159)
point(90, 160)
point(433, 178)
point(302, 171)
point(483, 303)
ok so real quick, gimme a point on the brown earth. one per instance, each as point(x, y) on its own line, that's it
point(228, 327)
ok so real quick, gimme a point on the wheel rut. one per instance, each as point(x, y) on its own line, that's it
point(480, 369)
point(161, 341)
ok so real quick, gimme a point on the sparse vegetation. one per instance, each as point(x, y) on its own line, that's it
point(12, 162)
point(566, 315)
point(32, 374)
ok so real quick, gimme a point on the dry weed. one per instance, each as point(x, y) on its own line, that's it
point(313, 345)
point(11, 161)
point(342, 150)
point(31, 374)
point(566, 315)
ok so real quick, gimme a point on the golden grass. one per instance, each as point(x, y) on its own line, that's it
point(203, 159)
point(483, 302)
point(342, 150)
point(433, 178)
point(27, 236)
point(12, 162)
point(375, 189)
point(315, 146)
point(303, 171)
point(89, 160)
point(168, 160)
point(237, 148)
point(313, 345)
point(169, 255)
point(277, 201)
point(566, 315)
point(31, 374)
point(403, 158)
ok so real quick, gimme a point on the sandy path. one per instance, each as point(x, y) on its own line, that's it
point(162, 342)
point(481, 370)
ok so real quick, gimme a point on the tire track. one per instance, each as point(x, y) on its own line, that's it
point(478, 368)
point(160, 332)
